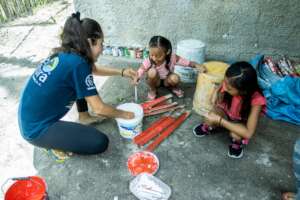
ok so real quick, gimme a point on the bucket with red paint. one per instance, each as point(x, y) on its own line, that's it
point(26, 188)
point(142, 162)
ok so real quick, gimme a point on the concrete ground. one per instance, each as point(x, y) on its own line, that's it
point(194, 168)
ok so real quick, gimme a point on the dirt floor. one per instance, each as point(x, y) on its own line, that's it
point(193, 168)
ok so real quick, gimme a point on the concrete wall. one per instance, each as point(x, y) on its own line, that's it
point(232, 29)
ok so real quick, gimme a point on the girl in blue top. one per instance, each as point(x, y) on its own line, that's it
point(62, 79)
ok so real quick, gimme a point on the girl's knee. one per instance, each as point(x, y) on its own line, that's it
point(173, 79)
point(152, 74)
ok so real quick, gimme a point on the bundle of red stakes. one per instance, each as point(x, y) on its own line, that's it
point(161, 128)
point(159, 105)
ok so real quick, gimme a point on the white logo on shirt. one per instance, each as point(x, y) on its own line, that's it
point(89, 82)
point(44, 70)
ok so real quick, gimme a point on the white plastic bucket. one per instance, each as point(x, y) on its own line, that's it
point(129, 128)
point(186, 74)
point(192, 50)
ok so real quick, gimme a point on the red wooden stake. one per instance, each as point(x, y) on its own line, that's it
point(145, 132)
point(168, 131)
point(160, 107)
point(163, 110)
point(156, 130)
point(150, 104)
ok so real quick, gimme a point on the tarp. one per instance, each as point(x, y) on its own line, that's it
point(282, 93)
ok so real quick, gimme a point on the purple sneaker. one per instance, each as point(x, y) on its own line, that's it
point(202, 130)
point(235, 149)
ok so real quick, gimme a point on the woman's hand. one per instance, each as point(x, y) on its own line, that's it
point(212, 118)
point(127, 115)
point(136, 81)
point(130, 73)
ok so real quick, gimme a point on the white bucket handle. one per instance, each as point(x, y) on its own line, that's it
point(22, 178)
point(13, 179)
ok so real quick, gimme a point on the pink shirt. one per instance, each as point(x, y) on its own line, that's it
point(161, 69)
point(234, 111)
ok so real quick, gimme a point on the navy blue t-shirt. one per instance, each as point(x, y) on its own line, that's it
point(51, 91)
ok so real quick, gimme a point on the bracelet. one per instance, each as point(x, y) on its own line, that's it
point(220, 121)
point(122, 73)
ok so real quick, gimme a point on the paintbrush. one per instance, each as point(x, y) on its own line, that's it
point(135, 94)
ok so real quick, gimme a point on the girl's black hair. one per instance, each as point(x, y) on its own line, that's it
point(242, 76)
point(162, 42)
point(75, 35)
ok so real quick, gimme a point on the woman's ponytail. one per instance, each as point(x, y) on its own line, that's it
point(75, 39)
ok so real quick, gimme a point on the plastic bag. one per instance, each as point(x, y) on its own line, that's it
point(148, 187)
point(207, 83)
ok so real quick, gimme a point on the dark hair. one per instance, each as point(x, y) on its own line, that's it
point(162, 42)
point(75, 35)
point(242, 76)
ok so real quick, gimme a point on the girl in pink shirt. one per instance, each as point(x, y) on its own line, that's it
point(238, 104)
point(159, 67)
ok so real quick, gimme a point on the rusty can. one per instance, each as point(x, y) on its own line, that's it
point(139, 53)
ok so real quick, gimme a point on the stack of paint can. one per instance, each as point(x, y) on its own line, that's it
point(107, 50)
point(131, 52)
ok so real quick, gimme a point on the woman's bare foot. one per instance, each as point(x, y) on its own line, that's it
point(288, 196)
point(86, 119)
point(60, 156)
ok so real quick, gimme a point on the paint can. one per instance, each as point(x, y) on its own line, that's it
point(126, 52)
point(132, 52)
point(142, 162)
point(129, 128)
point(107, 50)
point(139, 53)
point(186, 74)
point(121, 51)
point(192, 50)
point(115, 51)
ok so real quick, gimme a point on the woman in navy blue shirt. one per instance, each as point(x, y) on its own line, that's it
point(59, 81)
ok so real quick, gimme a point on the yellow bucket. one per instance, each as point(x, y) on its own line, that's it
point(207, 83)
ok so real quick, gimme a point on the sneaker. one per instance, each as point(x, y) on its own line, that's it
point(202, 130)
point(178, 92)
point(151, 95)
point(235, 150)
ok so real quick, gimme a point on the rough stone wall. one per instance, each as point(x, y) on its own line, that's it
point(232, 29)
